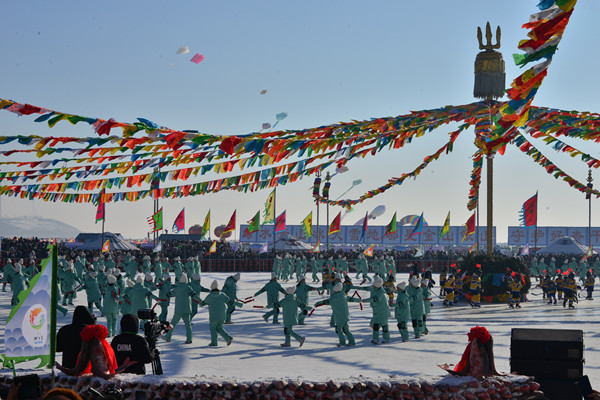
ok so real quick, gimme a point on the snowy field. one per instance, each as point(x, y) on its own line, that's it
point(256, 352)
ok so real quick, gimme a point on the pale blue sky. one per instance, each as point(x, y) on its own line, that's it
point(321, 62)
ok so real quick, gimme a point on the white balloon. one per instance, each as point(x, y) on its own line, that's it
point(183, 50)
point(379, 210)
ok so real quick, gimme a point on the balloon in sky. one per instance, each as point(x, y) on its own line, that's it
point(197, 59)
point(266, 125)
point(264, 91)
point(183, 50)
point(379, 210)
point(281, 116)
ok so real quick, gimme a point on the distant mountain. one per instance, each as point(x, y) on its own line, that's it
point(36, 227)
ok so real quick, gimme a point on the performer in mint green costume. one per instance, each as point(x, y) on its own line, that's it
point(381, 311)
point(217, 303)
point(273, 288)
point(184, 295)
point(339, 305)
point(290, 305)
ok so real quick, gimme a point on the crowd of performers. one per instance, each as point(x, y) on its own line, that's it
point(124, 286)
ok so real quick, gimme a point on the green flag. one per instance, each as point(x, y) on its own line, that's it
point(391, 227)
point(307, 225)
point(446, 228)
point(155, 221)
point(254, 223)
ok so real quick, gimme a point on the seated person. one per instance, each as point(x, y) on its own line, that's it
point(130, 345)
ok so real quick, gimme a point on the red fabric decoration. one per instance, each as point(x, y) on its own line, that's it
point(101, 333)
point(94, 331)
point(478, 332)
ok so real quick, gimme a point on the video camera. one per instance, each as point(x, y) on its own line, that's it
point(153, 328)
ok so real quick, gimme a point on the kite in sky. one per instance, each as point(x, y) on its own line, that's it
point(197, 59)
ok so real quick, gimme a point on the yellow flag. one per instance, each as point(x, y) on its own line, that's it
point(213, 248)
point(206, 225)
point(106, 246)
point(269, 213)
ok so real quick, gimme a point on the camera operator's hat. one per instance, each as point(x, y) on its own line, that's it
point(214, 285)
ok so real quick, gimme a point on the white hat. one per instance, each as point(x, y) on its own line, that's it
point(401, 285)
point(130, 283)
point(338, 287)
point(214, 285)
point(338, 276)
point(300, 277)
point(139, 279)
point(17, 268)
point(425, 282)
point(415, 281)
point(290, 290)
point(177, 258)
point(196, 277)
point(93, 274)
point(236, 277)
point(377, 282)
point(273, 275)
point(148, 277)
point(183, 278)
point(166, 276)
point(111, 279)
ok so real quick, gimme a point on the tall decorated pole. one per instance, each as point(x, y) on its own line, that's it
point(490, 82)
point(155, 189)
point(316, 189)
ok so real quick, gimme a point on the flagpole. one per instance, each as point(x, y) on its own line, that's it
point(318, 174)
point(537, 199)
point(275, 220)
point(103, 219)
point(53, 302)
point(328, 178)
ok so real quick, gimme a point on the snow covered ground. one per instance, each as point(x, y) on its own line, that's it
point(256, 352)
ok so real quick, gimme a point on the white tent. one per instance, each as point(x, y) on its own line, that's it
point(291, 243)
point(564, 245)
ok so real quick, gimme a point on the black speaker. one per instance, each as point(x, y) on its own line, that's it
point(546, 344)
point(553, 356)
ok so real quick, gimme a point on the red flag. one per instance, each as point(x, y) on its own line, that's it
point(470, 227)
point(231, 225)
point(100, 209)
point(280, 222)
point(335, 224)
point(179, 224)
point(529, 212)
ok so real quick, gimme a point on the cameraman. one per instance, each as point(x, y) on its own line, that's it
point(131, 345)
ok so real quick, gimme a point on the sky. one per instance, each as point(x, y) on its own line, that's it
point(322, 62)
